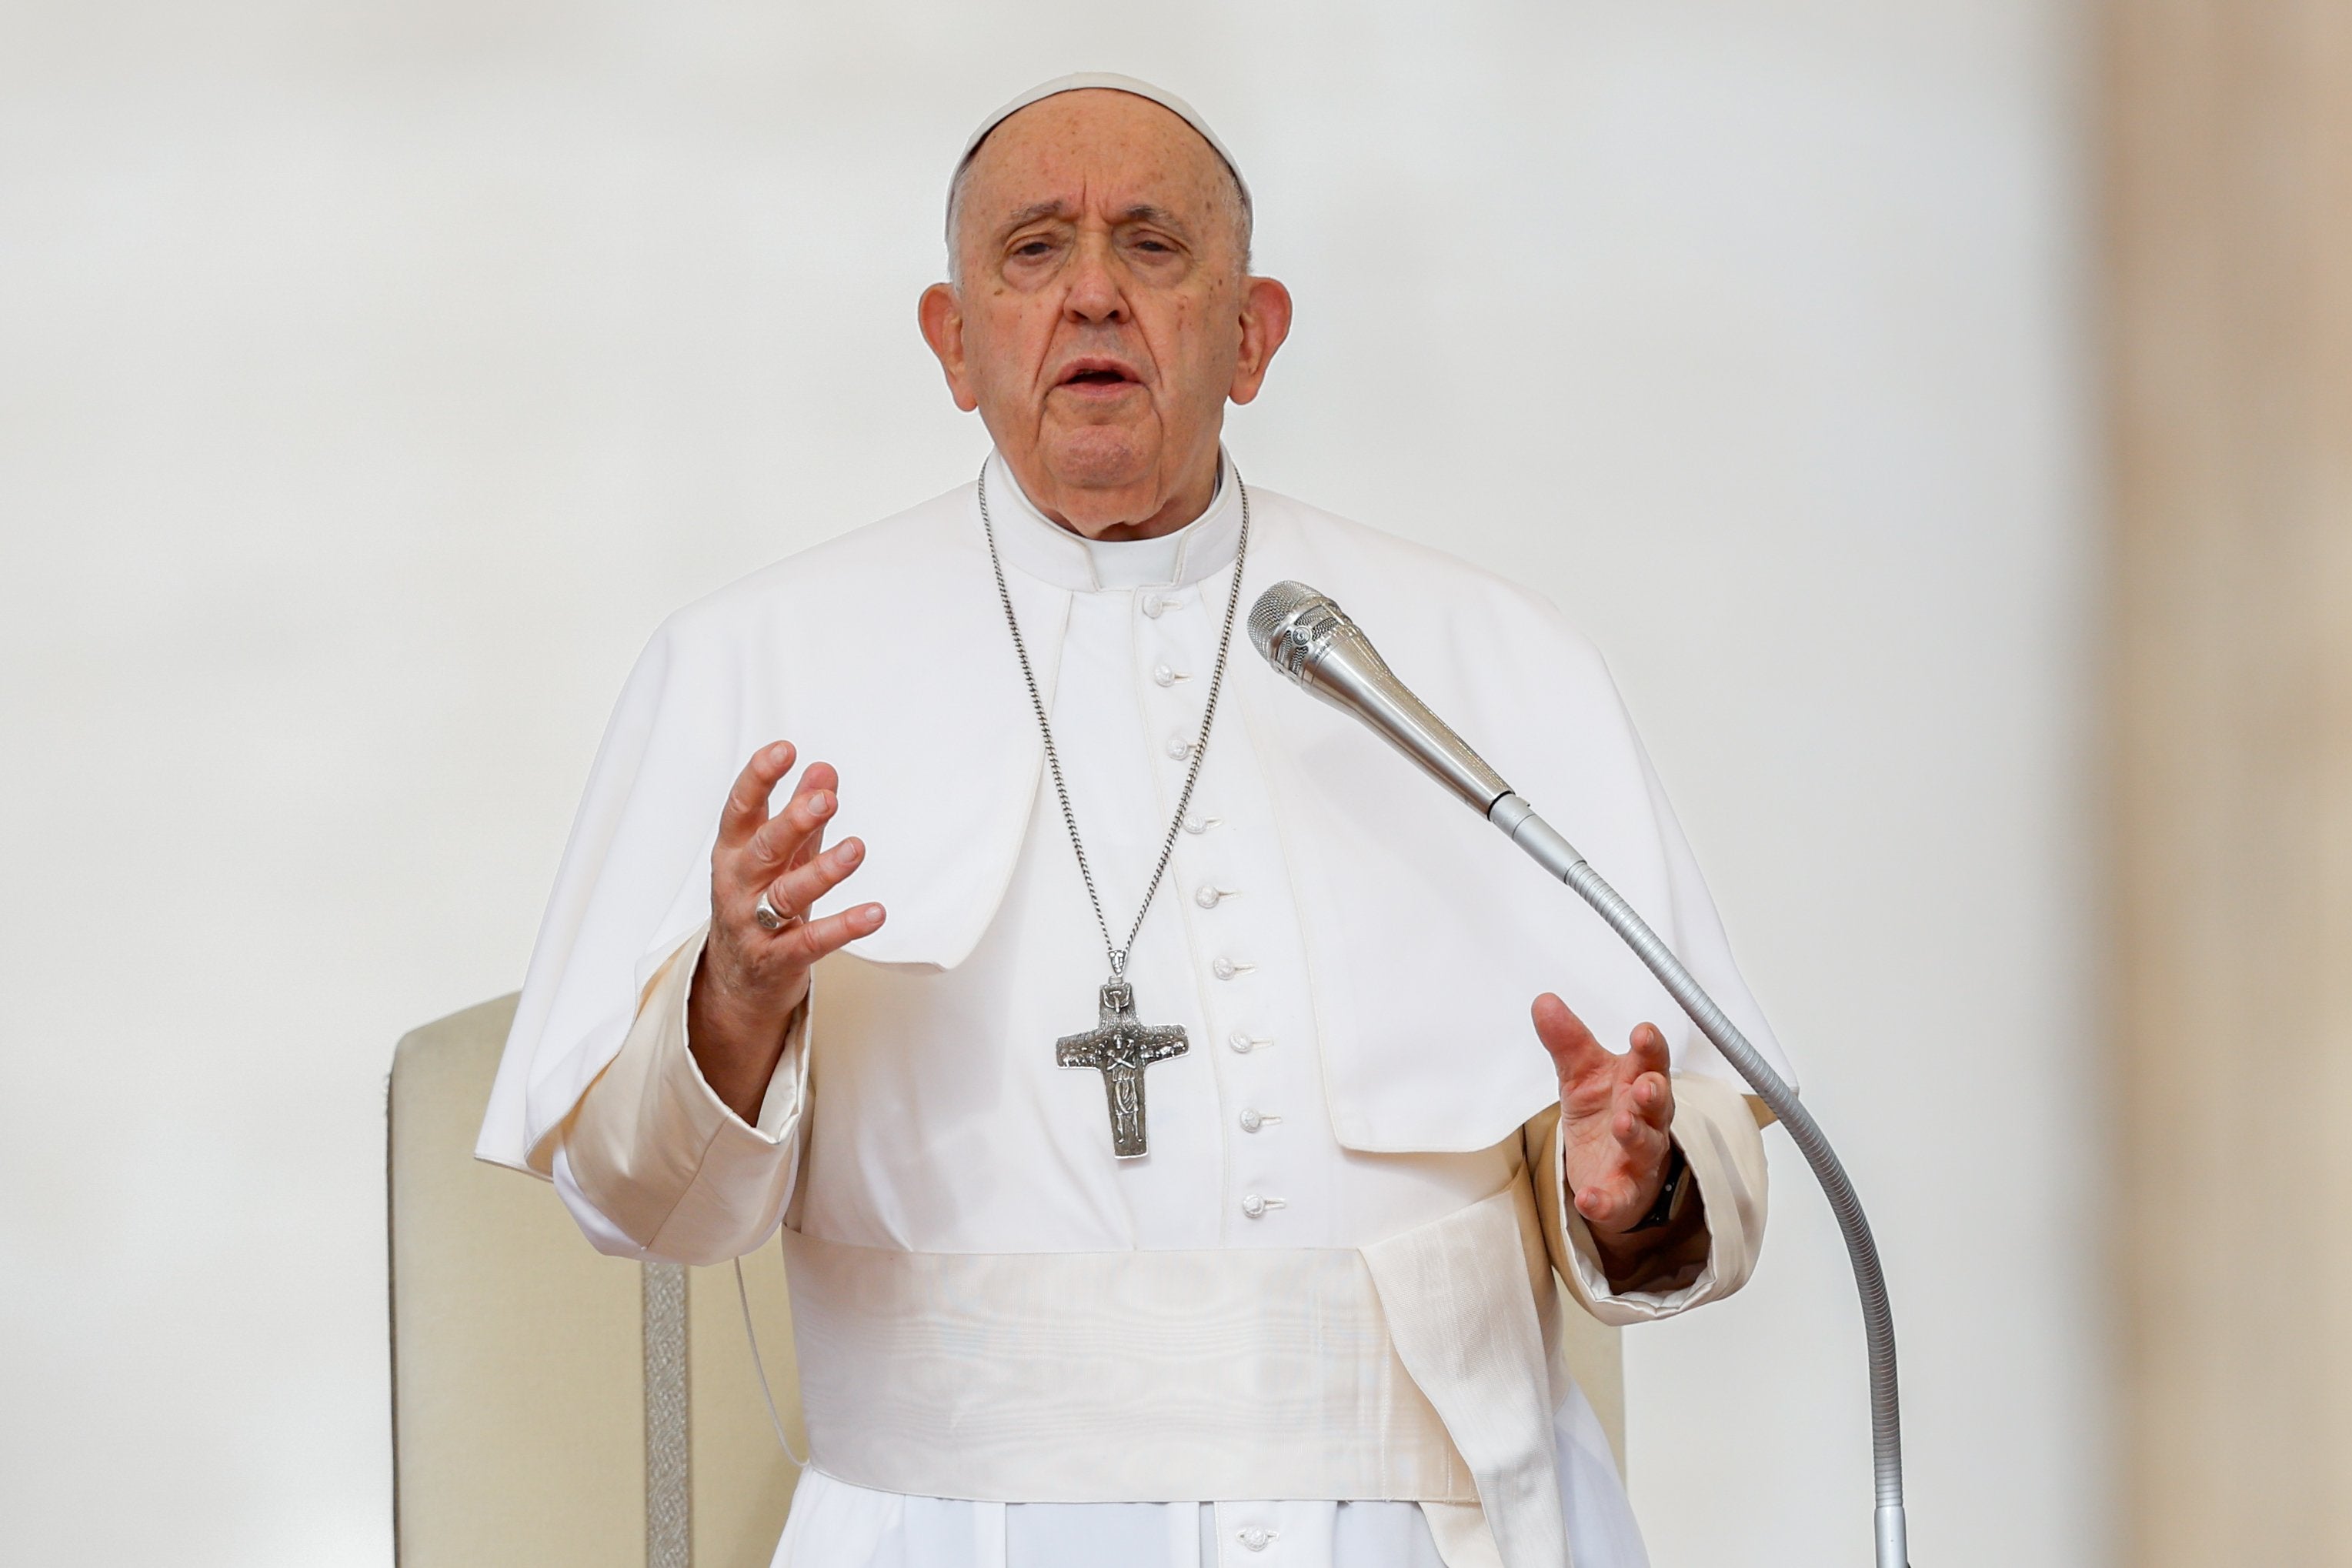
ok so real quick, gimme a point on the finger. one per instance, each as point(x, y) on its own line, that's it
point(1640, 1138)
point(812, 940)
point(779, 842)
point(799, 889)
point(747, 800)
point(1651, 1098)
point(1606, 1203)
point(820, 775)
point(1573, 1049)
point(1648, 1052)
point(1633, 1127)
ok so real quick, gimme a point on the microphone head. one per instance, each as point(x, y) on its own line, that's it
point(1289, 622)
point(1310, 640)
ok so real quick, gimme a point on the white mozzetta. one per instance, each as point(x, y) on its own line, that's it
point(1424, 934)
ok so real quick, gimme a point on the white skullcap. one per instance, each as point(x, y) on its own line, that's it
point(1116, 83)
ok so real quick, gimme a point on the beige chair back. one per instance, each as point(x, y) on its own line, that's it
point(551, 1405)
point(522, 1358)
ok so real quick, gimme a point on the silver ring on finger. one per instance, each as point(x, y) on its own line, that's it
point(769, 918)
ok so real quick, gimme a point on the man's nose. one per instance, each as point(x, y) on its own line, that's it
point(1094, 298)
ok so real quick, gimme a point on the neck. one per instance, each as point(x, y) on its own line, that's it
point(1128, 512)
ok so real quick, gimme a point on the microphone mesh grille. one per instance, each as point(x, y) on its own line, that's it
point(1274, 607)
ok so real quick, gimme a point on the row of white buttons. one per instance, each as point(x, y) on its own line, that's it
point(1251, 1120)
point(1154, 605)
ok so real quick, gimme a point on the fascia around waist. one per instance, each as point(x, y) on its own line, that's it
point(1416, 1369)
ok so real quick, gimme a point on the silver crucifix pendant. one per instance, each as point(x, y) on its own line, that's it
point(1121, 1048)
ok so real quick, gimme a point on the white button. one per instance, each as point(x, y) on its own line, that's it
point(1202, 823)
point(1254, 1206)
point(1240, 1043)
point(1252, 1120)
point(1224, 969)
point(1152, 604)
point(1257, 1538)
point(1179, 747)
point(1207, 897)
point(1164, 676)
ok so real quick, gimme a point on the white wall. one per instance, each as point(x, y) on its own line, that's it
point(373, 376)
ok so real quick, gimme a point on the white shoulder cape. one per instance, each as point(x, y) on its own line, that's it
point(884, 652)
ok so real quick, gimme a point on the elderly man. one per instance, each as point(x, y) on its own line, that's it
point(1165, 1169)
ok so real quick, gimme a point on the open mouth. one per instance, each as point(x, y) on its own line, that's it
point(1098, 375)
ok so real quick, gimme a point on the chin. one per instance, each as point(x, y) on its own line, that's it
point(1100, 458)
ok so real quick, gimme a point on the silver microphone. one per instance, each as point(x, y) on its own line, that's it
point(1307, 637)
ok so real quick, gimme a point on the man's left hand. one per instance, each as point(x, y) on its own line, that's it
point(1614, 1116)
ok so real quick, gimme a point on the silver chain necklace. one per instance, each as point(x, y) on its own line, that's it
point(1121, 1045)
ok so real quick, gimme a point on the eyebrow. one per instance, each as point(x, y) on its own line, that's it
point(1141, 211)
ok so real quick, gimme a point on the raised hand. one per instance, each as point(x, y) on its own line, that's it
point(752, 977)
point(1614, 1116)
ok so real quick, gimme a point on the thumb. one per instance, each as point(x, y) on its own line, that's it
point(1574, 1050)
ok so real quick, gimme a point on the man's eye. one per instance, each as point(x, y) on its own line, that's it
point(1032, 249)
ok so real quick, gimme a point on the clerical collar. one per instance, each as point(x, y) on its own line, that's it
point(1035, 544)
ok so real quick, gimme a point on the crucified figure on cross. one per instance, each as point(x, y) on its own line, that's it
point(1121, 1048)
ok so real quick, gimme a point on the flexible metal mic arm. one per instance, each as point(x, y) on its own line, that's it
point(1309, 640)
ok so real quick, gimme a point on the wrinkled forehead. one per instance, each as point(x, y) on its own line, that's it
point(1051, 159)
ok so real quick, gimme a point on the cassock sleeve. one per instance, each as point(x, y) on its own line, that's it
point(655, 1166)
point(1721, 1136)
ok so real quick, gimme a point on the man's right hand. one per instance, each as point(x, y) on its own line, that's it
point(750, 978)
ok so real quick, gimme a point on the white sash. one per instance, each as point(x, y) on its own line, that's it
point(1419, 1369)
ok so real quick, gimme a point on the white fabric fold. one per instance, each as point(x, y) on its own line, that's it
point(1719, 1135)
point(1459, 1305)
point(657, 1155)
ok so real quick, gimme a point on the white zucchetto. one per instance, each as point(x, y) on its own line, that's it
point(1116, 83)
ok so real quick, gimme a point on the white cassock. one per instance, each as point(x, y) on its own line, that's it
point(1017, 1352)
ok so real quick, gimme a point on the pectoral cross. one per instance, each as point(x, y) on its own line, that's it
point(1121, 1048)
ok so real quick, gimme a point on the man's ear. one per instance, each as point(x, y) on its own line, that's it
point(1266, 322)
point(940, 314)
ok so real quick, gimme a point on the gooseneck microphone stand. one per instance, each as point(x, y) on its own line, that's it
point(1310, 640)
point(1556, 855)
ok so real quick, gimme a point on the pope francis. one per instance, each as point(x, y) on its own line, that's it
point(1134, 1055)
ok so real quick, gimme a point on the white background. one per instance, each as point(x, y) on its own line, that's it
point(373, 376)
